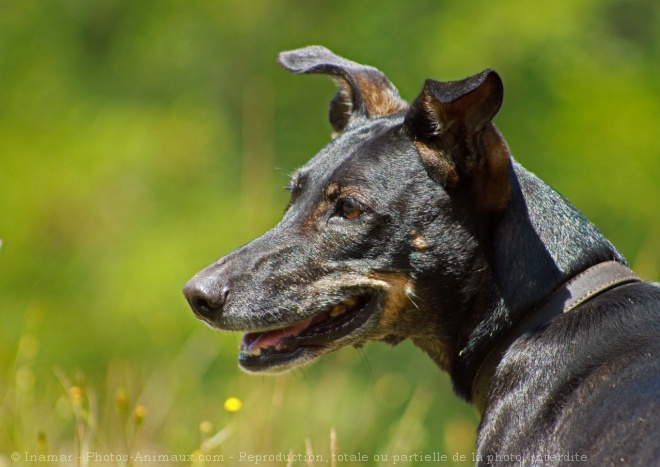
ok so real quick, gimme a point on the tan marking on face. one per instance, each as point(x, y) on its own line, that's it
point(399, 287)
point(395, 320)
point(331, 284)
point(331, 192)
point(436, 349)
point(419, 243)
point(320, 209)
point(398, 290)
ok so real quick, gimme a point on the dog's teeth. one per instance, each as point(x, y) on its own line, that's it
point(280, 346)
point(252, 352)
point(337, 310)
point(349, 302)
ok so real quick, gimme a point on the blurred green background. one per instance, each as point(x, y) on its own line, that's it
point(140, 141)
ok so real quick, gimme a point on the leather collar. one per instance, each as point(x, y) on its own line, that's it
point(579, 289)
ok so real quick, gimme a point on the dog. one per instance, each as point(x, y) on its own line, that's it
point(415, 222)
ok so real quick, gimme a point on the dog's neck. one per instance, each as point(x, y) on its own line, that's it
point(540, 242)
point(565, 299)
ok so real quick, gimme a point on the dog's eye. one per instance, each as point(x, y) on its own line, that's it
point(349, 208)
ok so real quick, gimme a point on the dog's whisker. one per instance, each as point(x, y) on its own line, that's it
point(366, 365)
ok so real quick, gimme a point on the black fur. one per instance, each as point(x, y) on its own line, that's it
point(416, 223)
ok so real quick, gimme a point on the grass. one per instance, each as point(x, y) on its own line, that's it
point(193, 411)
point(198, 409)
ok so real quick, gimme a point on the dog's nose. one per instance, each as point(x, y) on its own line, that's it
point(206, 299)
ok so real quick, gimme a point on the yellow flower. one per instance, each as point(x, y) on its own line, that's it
point(233, 404)
point(138, 414)
point(76, 394)
point(122, 401)
point(206, 427)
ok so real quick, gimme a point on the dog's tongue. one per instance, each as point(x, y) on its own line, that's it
point(263, 340)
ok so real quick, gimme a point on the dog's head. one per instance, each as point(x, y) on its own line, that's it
point(379, 240)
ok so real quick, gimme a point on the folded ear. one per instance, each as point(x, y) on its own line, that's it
point(363, 91)
point(451, 124)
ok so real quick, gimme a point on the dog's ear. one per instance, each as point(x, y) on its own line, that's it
point(364, 92)
point(451, 124)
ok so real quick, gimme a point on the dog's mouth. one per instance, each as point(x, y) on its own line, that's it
point(279, 349)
